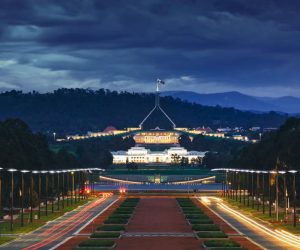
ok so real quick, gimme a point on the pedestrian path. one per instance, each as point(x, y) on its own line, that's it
point(158, 223)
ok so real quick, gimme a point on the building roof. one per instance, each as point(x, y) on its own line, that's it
point(109, 129)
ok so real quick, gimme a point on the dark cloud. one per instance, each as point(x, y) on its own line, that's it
point(205, 46)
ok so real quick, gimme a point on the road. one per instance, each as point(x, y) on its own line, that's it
point(255, 230)
point(53, 233)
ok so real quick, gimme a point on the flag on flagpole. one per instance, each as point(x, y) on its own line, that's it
point(160, 81)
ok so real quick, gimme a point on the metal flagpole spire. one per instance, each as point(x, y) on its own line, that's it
point(157, 105)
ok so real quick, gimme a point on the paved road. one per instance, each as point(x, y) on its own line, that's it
point(160, 187)
point(54, 232)
point(244, 225)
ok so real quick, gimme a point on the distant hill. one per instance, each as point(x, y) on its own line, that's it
point(81, 110)
point(287, 104)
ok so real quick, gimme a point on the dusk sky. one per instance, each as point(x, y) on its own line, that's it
point(207, 46)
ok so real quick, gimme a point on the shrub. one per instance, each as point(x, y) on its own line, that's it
point(211, 227)
point(213, 234)
point(119, 216)
point(229, 248)
point(90, 248)
point(116, 221)
point(221, 243)
point(197, 216)
point(111, 228)
point(201, 221)
point(105, 235)
point(97, 243)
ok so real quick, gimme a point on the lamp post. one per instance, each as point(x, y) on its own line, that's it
point(1, 195)
point(244, 187)
point(257, 189)
point(12, 170)
point(226, 183)
point(58, 190)
point(236, 184)
point(294, 172)
point(285, 193)
point(277, 196)
point(39, 192)
point(240, 189)
point(22, 196)
point(63, 189)
point(68, 188)
point(270, 193)
point(252, 187)
point(72, 174)
point(263, 190)
point(248, 188)
point(46, 191)
point(52, 188)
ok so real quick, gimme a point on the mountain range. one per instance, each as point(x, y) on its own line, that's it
point(285, 104)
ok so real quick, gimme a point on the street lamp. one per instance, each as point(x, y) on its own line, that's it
point(294, 172)
point(263, 190)
point(58, 190)
point(1, 195)
point(22, 196)
point(72, 174)
point(12, 170)
point(257, 189)
point(52, 187)
point(39, 192)
point(252, 187)
point(46, 191)
point(285, 193)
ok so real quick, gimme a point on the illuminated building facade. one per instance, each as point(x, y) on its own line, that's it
point(157, 137)
point(143, 155)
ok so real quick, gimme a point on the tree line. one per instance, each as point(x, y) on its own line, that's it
point(72, 111)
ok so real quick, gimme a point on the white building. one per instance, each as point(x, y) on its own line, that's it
point(143, 155)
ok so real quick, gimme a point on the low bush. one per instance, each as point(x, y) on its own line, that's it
point(213, 234)
point(196, 216)
point(119, 216)
point(116, 221)
point(221, 243)
point(111, 228)
point(105, 235)
point(201, 221)
point(90, 248)
point(97, 243)
point(193, 212)
point(229, 248)
point(211, 227)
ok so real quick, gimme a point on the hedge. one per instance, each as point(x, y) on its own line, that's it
point(196, 216)
point(213, 234)
point(97, 243)
point(201, 221)
point(116, 221)
point(111, 228)
point(119, 216)
point(221, 243)
point(211, 227)
point(105, 235)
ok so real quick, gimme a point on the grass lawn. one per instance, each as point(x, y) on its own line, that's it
point(4, 239)
point(17, 228)
point(259, 214)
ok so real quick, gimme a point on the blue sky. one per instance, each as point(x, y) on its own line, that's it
point(203, 46)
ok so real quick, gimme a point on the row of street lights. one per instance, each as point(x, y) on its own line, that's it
point(62, 189)
point(237, 181)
